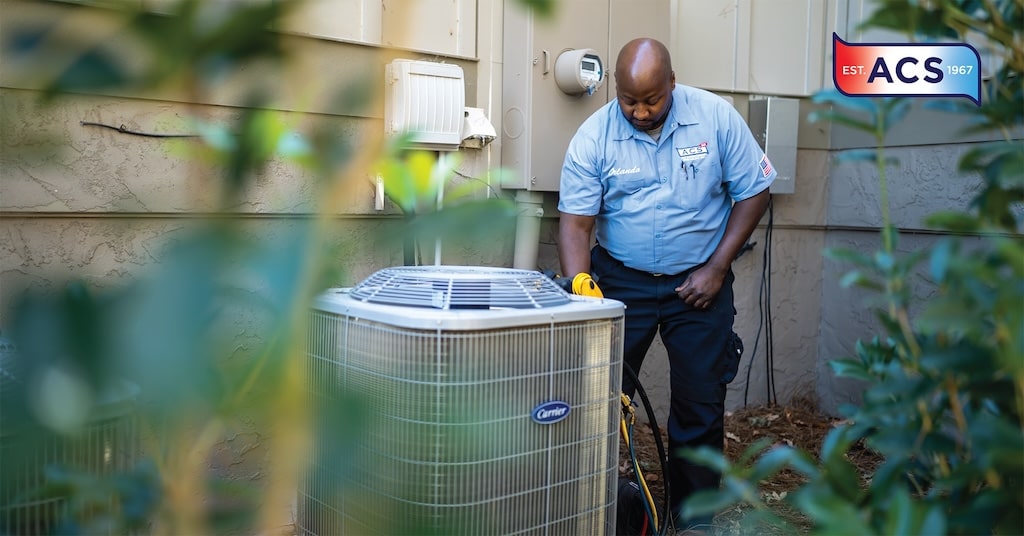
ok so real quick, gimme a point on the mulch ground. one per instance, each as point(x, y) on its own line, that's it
point(799, 424)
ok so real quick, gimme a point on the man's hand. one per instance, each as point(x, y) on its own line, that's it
point(704, 283)
point(701, 287)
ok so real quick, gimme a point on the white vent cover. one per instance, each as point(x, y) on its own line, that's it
point(427, 100)
point(479, 418)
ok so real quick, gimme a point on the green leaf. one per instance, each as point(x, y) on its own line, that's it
point(835, 445)
point(940, 258)
point(911, 18)
point(465, 190)
point(755, 449)
point(710, 502)
point(851, 256)
point(833, 116)
point(895, 110)
point(469, 220)
point(94, 70)
point(542, 8)
point(1002, 163)
point(884, 261)
point(707, 457)
point(742, 489)
point(771, 463)
point(856, 155)
point(803, 463)
point(832, 514)
point(934, 521)
point(950, 316)
point(899, 513)
point(217, 136)
point(953, 358)
point(1012, 254)
point(849, 368)
point(856, 278)
point(953, 221)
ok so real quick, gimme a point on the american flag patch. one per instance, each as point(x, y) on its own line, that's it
point(766, 166)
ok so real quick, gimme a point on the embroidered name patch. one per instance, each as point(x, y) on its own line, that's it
point(694, 152)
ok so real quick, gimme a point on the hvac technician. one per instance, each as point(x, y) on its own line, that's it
point(673, 183)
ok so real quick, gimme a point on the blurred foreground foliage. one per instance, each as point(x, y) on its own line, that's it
point(944, 380)
point(212, 338)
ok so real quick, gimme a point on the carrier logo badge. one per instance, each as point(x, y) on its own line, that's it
point(550, 412)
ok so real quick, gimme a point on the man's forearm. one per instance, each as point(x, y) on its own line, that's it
point(574, 244)
point(742, 222)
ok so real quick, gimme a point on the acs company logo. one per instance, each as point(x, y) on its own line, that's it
point(906, 70)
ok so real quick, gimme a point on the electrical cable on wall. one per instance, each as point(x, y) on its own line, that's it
point(765, 311)
point(490, 188)
point(124, 130)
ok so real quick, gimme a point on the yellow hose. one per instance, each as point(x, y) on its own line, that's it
point(628, 408)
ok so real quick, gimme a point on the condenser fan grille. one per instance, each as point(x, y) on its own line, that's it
point(460, 288)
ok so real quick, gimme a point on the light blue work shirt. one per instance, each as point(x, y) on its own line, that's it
point(662, 206)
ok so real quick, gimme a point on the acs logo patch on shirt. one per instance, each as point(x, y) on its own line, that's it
point(694, 152)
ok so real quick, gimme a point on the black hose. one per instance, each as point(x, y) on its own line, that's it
point(648, 505)
point(662, 457)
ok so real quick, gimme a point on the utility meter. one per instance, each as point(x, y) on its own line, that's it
point(579, 71)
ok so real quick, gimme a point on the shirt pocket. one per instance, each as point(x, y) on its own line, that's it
point(698, 181)
point(621, 190)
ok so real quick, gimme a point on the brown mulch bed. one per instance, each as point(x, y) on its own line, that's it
point(798, 424)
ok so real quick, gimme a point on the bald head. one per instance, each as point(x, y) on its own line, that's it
point(644, 82)
point(643, 58)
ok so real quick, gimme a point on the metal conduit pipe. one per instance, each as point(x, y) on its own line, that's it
point(529, 210)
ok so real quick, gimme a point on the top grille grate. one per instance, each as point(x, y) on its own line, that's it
point(460, 287)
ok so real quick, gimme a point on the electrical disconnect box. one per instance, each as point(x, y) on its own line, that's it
point(553, 79)
point(774, 121)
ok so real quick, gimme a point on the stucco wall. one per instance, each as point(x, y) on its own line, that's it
point(922, 182)
point(82, 201)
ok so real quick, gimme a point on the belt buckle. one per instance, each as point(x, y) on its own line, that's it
point(656, 275)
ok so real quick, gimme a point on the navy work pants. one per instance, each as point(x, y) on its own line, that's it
point(702, 361)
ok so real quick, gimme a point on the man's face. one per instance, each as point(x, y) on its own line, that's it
point(645, 101)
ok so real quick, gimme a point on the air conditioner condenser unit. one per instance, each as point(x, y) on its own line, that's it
point(490, 405)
